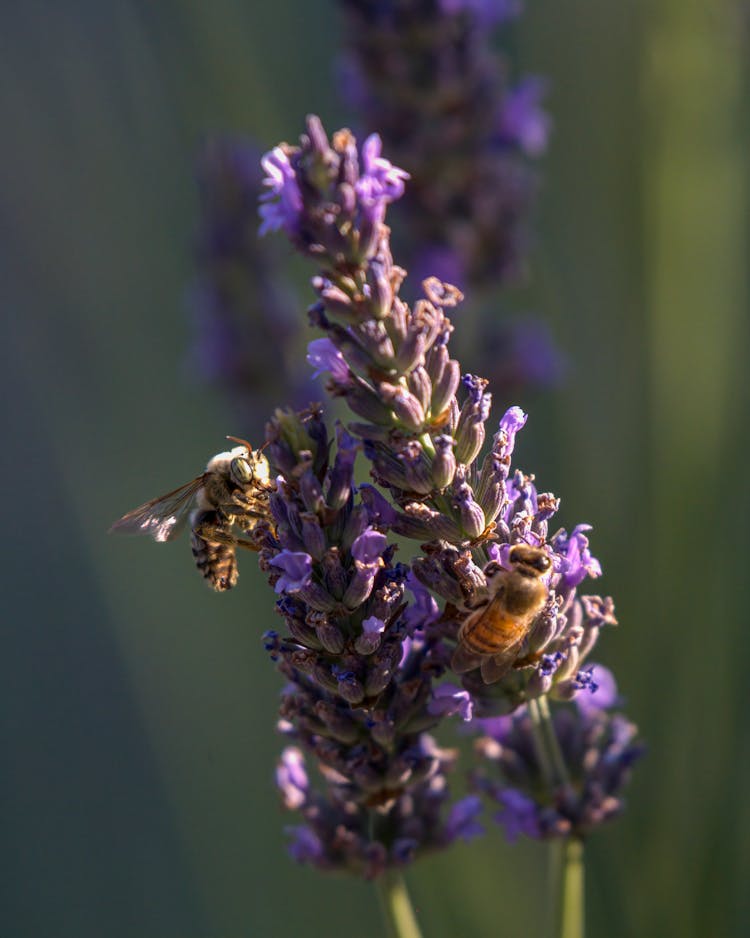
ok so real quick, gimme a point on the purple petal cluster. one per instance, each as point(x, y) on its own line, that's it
point(361, 675)
point(423, 428)
point(368, 639)
point(244, 327)
point(425, 75)
point(598, 749)
point(329, 200)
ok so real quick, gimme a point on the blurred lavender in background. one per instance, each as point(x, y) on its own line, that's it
point(598, 748)
point(242, 312)
point(425, 76)
point(361, 660)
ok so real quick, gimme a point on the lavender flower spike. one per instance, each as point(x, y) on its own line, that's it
point(361, 677)
point(426, 78)
point(599, 748)
point(363, 662)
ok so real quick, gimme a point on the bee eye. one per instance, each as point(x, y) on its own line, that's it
point(242, 470)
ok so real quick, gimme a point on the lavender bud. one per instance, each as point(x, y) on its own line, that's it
point(430, 572)
point(384, 733)
point(334, 574)
point(405, 406)
point(425, 524)
point(380, 670)
point(331, 638)
point(369, 640)
point(340, 481)
point(338, 722)
point(411, 351)
point(303, 633)
point(381, 291)
point(318, 598)
point(545, 628)
point(474, 413)
point(420, 386)
point(311, 492)
point(444, 462)
point(366, 403)
point(360, 585)
point(444, 388)
point(470, 513)
point(313, 536)
point(358, 521)
point(349, 687)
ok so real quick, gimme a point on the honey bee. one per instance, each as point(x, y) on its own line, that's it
point(231, 493)
point(492, 635)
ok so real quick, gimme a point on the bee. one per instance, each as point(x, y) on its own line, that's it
point(493, 634)
point(231, 493)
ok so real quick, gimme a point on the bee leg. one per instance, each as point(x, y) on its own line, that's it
point(247, 545)
point(487, 535)
point(247, 504)
point(217, 535)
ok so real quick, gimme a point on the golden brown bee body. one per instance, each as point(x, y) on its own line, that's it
point(492, 636)
point(231, 493)
point(216, 561)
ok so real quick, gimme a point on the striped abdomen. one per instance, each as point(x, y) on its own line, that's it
point(493, 630)
point(217, 562)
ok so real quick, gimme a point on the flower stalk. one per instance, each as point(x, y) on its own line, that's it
point(572, 915)
point(401, 922)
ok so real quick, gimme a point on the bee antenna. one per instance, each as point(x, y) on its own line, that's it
point(236, 439)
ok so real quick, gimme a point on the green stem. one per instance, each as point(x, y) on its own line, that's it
point(540, 743)
point(566, 857)
point(572, 890)
point(396, 905)
point(553, 746)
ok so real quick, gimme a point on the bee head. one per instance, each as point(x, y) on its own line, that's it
point(241, 469)
point(247, 465)
point(532, 561)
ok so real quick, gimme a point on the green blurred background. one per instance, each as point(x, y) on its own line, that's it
point(136, 708)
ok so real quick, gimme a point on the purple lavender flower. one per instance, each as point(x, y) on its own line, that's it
point(426, 78)
point(598, 749)
point(518, 815)
point(448, 700)
point(519, 353)
point(602, 690)
point(487, 12)
point(296, 567)
point(424, 446)
point(291, 778)
point(381, 182)
point(522, 120)
point(281, 205)
point(462, 821)
point(361, 679)
point(363, 663)
point(323, 355)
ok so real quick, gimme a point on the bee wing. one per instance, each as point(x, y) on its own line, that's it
point(464, 659)
point(497, 666)
point(162, 518)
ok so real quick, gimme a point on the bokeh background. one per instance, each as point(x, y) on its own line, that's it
point(136, 708)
